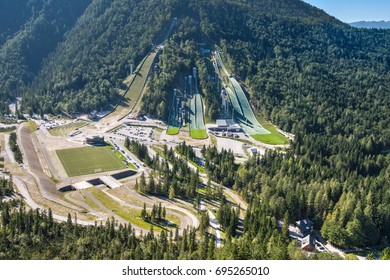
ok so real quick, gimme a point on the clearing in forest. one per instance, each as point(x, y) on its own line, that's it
point(136, 83)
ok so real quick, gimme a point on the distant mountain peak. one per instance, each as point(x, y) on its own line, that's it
point(372, 24)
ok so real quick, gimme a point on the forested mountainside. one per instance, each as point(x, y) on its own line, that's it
point(86, 70)
point(29, 31)
point(306, 72)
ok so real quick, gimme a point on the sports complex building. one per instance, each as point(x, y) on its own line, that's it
point(226, 125)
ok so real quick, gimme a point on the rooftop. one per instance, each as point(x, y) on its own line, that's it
point(110, 182)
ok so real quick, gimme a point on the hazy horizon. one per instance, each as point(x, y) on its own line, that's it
point(355, 10)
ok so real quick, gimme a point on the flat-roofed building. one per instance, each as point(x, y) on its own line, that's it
point(82, 185)
point(227, 125)
point(110, 182)
point(94, 140)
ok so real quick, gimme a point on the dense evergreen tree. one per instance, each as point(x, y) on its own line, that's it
point(15, 147)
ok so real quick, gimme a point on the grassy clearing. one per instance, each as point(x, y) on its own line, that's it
point(173, 219)
point(275, 138)
point(64, 130)
point(173, 130)
point(159, 151)
point(198, 133)
point(139, 81)
point(135, 90)
point(129, 214)
point(124, 194)
point(31, 125)
point(122, 157)
point(89, 160)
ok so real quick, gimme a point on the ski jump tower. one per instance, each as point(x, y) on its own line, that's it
point(194, 72)
point(190, 80)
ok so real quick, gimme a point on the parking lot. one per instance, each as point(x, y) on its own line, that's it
point(139, 133)
point(53, 123)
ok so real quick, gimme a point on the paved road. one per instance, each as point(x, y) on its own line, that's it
point(68, 196)
point(30, 202)
point(236, 199)
point(187, 218)
point(214, 224)
point(105, 209)
point(8, 149)
point(45, 154)
point(46, 186)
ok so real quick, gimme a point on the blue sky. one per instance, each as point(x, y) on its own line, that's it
point(355, 10)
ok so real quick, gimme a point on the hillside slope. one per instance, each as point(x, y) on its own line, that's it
point(86, 70)
point(305, 71)
point(29, 32)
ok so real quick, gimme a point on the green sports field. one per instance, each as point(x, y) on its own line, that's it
point(89, 160)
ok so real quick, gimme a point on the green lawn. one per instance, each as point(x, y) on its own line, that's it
point(122, 157)
point(173, 130)
point(89, 160)
point(136, 87)
point(64, 130)
point(198, 133)
point(275, 138)
point(129, 214)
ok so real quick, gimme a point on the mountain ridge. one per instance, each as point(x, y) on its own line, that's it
point(371, 24)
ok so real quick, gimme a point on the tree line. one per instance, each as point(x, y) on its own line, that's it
point(15, 147)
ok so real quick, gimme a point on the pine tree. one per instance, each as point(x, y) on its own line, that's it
point(385, 255)
point(164, 213)
point(69, 220)
point(197, 202)
point(285, 224)
point(171, 193)
point(144, 213)
point(127, 142)
point(151, 186)
point(159, 212)
point(211, 250)
point(142, 184)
